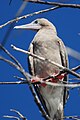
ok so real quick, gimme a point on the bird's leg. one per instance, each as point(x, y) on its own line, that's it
point(35, 79)
point(56, 77)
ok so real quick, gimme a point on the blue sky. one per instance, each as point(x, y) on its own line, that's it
point(19, 97)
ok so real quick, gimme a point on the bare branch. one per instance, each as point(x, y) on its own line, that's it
point(20, 115)
point(55, 3)
point(72, 117)
point(10, 28)
point(73, 53)
point(20, 78)
point(10, 2)
point(13, 83)
point(74, 79)
point(28, 15)
point(76, 68)
point(10, 63)
point(58, 5)
point(10, 55)
point(20, 10)
point(13, 117)
point(52, 62)
point(17, 65)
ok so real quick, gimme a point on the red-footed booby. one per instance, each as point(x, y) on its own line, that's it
point(47, 44)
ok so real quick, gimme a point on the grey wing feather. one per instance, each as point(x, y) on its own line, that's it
point(64, 59)
point(31, 70)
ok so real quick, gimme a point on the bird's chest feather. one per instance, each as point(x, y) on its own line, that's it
point(49, 49)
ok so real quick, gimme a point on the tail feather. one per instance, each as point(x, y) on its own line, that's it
point(58, 115)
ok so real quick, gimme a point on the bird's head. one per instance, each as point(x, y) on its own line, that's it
point(37, 25)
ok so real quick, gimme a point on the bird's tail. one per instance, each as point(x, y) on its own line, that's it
point(58, 115)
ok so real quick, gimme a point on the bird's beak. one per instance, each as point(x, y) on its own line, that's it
point(30, 26)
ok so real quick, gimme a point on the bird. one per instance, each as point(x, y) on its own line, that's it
point(47, 44)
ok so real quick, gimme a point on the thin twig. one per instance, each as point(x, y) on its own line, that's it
point(28, 15)
point(73, 53)
point(58, 5)
point(72, 117)
point(10, 2)
point(18, 66)
point(55, 3)
point(10, 55)
point(20, 78)
point(10, 28)
point(20, 115)
point(10, 62)
point(76, 68)
point(13, 117)
point(13, 83)
point(74, 79)
point(48, 60)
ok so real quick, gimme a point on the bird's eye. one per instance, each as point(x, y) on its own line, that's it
point(35, 21)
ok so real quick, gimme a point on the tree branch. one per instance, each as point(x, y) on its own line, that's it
point(76, 68)
point(10, 28)
point(10, 63)
point(13, 83)
point(73, 53)
point(24, 118)
point(22, 71)
point(49, 61)
point(54, 3)
point(17, 118)
point(57, 4)
point(72, 117)
point(28, 15)
point(10, 55)
point(11, 117)
point(18, 66)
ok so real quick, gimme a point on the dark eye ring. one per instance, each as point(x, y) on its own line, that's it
point(35, 21)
